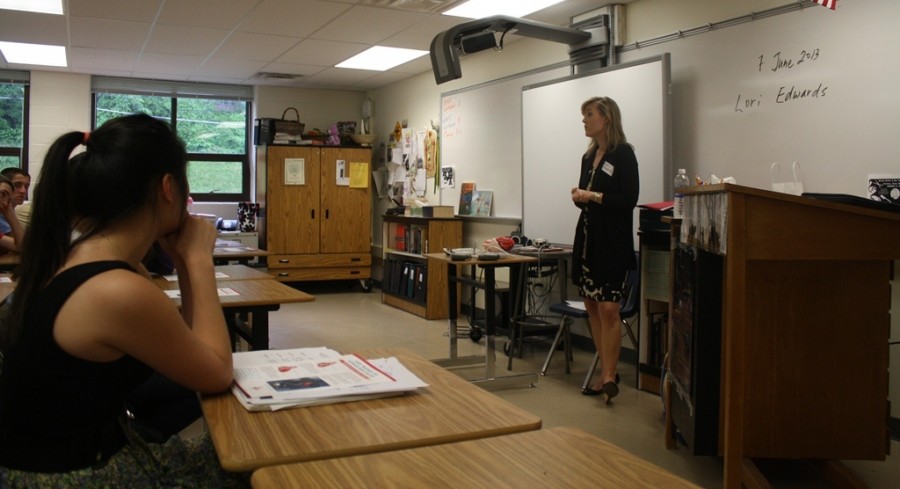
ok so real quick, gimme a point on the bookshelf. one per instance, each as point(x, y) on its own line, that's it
point(655, 295)
point(409, 282)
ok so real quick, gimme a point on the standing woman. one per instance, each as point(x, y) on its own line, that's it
point(87, 326)
point(603, 252)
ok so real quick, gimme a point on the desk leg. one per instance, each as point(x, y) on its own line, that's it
point(490, 287)
point(454, 310)
point(453, 360)
point(259, 330)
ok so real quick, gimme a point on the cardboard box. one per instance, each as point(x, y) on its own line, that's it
point(437, 211)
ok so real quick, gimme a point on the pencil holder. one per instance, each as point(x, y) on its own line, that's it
point(247, 212)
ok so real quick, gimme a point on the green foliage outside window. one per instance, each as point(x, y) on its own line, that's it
point(214, 132)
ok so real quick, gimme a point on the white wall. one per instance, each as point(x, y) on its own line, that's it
point(59, 103)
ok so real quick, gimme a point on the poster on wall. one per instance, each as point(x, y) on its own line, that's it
point(884, 188)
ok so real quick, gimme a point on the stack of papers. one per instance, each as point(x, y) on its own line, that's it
point(270, 380)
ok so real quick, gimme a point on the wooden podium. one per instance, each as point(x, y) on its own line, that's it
point(805, 323)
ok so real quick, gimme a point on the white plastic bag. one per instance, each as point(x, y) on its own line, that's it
point(794, 187)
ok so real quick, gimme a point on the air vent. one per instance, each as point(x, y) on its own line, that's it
point(268, 75)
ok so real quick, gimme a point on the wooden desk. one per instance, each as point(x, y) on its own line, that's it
point(233, 272)
point(557, 457)
point(449, 410)
point(516, 264)
point(257, 298)
point(242, 254)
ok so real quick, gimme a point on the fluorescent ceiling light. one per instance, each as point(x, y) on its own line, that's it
point(479, 9)
point(40, 6)
point(380, 58)
point(33, 54)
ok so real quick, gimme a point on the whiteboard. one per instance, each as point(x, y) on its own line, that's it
point(833, 103)
point(481, 127)
point(554, 141)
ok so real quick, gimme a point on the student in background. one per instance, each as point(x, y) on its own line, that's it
point(86, 327)
point(11, 239)
point(21, 182)
point(603, 251)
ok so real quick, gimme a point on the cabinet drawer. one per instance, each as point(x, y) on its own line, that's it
point(329, 273)
point(320, 261)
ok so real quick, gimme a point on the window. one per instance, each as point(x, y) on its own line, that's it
point(13, 119)
point(215, 128)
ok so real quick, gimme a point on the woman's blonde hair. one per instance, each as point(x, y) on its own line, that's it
point(610, 110)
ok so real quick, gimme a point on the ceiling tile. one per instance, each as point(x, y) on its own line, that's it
point(184, 40)
point(321, 53)
point(132, 10)
point(246, 45)
point(368, 25)
point(103, 59)
point(298, 18)
point(169, 64)
point(232, 68)
point(214, 14)
point(100, 33)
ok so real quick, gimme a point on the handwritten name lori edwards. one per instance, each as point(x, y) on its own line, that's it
point(784, 95)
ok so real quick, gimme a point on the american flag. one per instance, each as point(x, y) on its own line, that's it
point(832, 4)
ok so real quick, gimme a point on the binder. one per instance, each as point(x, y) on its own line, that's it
point(421, 283)
point(411, 281)
point(404, 279)
point(396, 276)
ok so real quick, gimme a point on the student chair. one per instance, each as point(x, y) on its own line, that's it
point(628, 310)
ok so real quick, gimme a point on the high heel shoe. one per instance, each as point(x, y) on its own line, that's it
point(610, 390)
point(587, 391)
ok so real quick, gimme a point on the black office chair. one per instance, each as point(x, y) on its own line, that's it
point(628, 310)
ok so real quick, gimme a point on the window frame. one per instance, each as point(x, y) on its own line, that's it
point(175, 91)
point(21, 153)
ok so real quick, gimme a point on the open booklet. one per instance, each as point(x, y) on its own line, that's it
point(269, 380)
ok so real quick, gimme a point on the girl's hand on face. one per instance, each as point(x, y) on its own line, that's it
point(195, 236)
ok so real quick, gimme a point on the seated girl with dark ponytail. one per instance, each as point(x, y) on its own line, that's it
point(87, 326)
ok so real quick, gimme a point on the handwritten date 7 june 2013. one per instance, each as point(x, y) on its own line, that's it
point(780, 61)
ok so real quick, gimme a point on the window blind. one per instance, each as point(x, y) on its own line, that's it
point(167, 88)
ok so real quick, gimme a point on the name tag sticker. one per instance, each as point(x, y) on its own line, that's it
point(608, 168)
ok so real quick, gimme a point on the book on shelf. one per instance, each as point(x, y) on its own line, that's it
point(467, 189)
point(271, 380)
point(437, 211)
point(481, 203)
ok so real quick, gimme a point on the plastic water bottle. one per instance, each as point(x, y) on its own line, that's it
point(681, 181)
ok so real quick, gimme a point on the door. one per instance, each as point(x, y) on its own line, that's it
point(292, 212)
point(346, 225)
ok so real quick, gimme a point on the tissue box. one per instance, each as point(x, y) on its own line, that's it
point(437, 211)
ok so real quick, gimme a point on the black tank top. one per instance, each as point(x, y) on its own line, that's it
point(57, 412)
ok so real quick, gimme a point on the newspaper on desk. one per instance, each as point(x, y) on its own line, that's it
point(270, 380)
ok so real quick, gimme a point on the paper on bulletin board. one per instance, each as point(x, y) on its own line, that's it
point(359, 174)
point(341, 173)
point(294, 171)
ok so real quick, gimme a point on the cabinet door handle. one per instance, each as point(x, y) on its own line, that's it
point(312, 213)
point(283, 260)
point(283, 274)
point(326, 213)
point(355, 259)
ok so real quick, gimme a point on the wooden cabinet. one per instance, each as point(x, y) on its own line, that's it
point(411, 282)
point(803, 293)
point(315, 228)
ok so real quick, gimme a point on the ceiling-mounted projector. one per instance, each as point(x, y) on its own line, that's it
point(478, 35)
